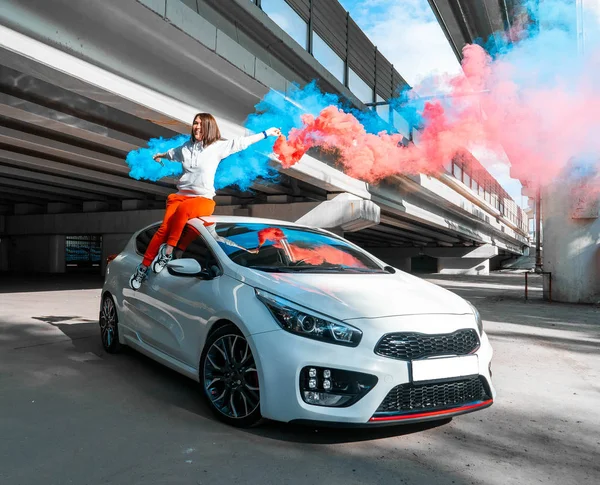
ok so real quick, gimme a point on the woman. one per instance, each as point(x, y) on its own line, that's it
point(200, 157)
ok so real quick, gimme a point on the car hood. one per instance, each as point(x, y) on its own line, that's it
point(349, 296)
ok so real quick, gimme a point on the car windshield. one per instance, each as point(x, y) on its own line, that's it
point(286, 249)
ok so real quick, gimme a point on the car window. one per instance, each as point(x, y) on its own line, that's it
point(283, 248)
point(192, 245)
point(143, 239)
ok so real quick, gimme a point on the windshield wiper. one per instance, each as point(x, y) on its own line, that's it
point(272, 269)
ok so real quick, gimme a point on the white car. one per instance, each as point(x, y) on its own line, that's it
point(293, 323)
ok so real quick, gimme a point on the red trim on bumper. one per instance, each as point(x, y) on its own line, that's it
point(432, 413)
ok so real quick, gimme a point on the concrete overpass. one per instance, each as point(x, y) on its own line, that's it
point(82, 83)
point(570, 225)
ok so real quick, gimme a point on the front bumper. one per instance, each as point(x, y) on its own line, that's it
point(283, 355)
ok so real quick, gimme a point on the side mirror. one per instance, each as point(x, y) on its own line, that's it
point(184, 267)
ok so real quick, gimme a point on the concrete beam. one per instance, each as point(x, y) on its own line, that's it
point(81, 223)
point(61, 208)
point(346, 211)
point(51, 119)
point(44, 188)
point(66, 170)
point(48, 146)
point(482, 252)
point(134, 204)
point(36, 176)
point(95, 206)
point(279, 199)
point(403, 234)
point(28, 196)
point(24, 208)
point(284, 212)
point(391, 221)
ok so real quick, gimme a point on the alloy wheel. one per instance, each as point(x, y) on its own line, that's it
point(231, 378)
point(108, 325)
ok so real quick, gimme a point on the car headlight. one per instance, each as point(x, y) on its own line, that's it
point(477, 319)
point(303, 322)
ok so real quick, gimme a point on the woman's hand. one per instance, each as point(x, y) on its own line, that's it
point(273, 132)
point(157, 158)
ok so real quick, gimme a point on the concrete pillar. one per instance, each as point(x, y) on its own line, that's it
point(56, 254)
point(5, 243)
point(571, 241)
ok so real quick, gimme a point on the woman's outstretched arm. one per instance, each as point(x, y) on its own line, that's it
point(238, 144)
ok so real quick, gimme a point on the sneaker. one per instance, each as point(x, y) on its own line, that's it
point(136, 278)
point(161, 259)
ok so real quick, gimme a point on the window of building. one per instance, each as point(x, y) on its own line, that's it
point(285, 16)
point(404, 127)
point(384, 110)
point(475, 186)
point(457, 171)
point(467, 179)
point(360, 88)
point(328, 58)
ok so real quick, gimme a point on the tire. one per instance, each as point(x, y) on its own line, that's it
point(109, 325)
point(229, 378)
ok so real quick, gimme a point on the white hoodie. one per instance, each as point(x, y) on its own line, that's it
point(200, 164)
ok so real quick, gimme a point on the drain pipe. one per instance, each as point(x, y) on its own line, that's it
point(538, 220)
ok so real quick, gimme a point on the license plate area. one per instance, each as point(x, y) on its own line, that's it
point(444, 368)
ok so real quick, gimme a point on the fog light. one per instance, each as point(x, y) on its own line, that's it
point(338, 387)
point(325, 399)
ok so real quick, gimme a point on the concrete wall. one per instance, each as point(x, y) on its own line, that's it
point(464, 266)
point(460, 260)
point(572, 244)
point(40, 254)
point(397, 257)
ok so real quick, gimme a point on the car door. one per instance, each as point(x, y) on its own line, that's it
point(176, 307)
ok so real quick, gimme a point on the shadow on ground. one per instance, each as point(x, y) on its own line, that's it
point(24, 283)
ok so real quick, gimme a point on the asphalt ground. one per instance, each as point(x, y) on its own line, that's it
point(72, 414)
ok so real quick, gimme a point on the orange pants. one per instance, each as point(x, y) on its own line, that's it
point(180, 209)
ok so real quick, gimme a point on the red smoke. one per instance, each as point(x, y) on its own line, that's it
point(541, 128)
point(270, 234)
point(367, 156)
point(324, 254)
point(316, 255)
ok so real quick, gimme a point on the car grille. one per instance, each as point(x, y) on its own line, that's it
point(409, 346)
point(428, 397)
